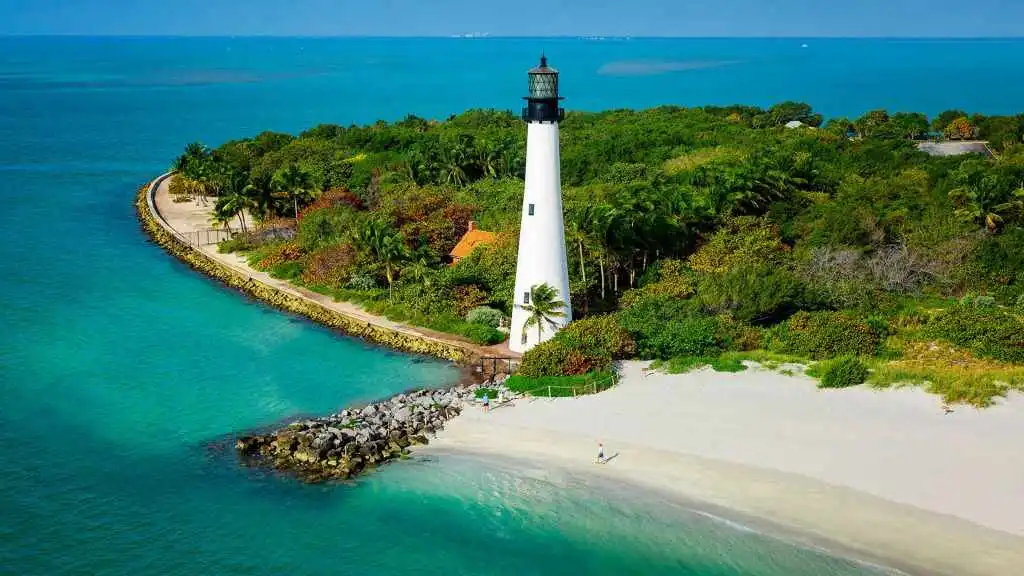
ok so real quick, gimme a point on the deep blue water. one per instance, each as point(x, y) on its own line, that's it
point(121, 371)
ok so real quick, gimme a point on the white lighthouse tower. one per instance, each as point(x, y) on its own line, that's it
point(542, 257)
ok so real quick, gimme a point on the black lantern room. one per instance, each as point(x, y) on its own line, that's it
point(542, 102)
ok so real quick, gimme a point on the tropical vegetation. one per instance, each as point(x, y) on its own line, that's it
point(692, 234)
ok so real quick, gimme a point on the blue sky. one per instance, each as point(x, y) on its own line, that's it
point(525, 18)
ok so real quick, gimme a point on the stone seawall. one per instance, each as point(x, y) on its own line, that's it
point(281, 300)
point(342, 445)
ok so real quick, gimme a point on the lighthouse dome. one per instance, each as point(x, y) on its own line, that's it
point(543, 81)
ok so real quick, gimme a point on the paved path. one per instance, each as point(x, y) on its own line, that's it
point(186, 217)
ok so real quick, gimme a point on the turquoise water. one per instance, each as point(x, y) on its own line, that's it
point(123, 373)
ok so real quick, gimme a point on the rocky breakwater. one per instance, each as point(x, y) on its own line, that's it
point(342, 445)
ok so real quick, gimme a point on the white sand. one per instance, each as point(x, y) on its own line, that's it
point(884, 473)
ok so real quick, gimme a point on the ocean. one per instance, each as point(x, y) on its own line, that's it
point(124, 374)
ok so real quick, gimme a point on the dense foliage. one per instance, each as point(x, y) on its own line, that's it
point(690, 232)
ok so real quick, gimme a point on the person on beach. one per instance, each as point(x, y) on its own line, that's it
point(600, 453)
point(487, 403)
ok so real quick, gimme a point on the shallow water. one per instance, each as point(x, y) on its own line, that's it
point(123, 374)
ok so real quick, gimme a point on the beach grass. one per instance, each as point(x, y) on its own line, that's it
point(562, 386)
point(728, 362)
point(954, 374)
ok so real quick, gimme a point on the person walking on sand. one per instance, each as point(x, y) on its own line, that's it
point(487, 403)
point(600, 453)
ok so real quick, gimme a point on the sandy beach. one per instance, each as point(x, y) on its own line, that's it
point(884, 475)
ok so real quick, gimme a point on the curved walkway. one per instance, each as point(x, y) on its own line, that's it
point(182, 218)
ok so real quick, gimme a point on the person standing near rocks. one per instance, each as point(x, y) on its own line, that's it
point(487, 403)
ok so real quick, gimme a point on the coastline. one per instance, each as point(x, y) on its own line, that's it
point(916, 518)
point(809, 507)
point(236, 274)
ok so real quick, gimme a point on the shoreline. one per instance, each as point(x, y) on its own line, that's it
point(916, 517)
point(611, 484)
point(290, 299)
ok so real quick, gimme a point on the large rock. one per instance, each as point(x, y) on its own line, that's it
point(345, 443)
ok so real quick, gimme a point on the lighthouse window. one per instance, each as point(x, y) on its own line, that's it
point(524, 337)
point(526, 297)
point(531, 209)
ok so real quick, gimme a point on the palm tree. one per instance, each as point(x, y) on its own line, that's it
point(233, 203)
point(386, 246)
point(295, 184)
point(576, 232)
point(487, 155)
point(453, 163)
point(194, 157)
point(419, 272)
point(544, 308)
point(221, 219)
point(260, 188)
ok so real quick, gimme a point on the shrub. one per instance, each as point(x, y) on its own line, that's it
point(361, 282)
point(467, 297)
point(479, 334)
point(674, 280)
point(545, 359)
point(978, 301)
point(822, 335)
point(485, 316)
point(237, 243)
point(599, 337)
point(286, 270)
point(739, 336)
point(664, 328)
point(683, 337)
point(1018, 306)
point(285, 252)
point(987, 331)
point(756, 293)
point(584, 345)
point(843, 372)
point(743, 240)
point(329, 266)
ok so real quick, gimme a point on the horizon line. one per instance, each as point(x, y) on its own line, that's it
point(488, 36)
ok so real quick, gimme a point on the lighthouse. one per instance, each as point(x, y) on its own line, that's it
point(542, 258)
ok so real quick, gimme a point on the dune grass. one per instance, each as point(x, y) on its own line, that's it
point(954, 374)
point(727, 362)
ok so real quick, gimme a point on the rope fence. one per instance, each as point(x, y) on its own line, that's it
point(592, 387)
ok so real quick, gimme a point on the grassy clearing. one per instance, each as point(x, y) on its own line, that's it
point(954, 374)
point(562, 386)
point(700, 157)
point(727, 362)
point(684, 364)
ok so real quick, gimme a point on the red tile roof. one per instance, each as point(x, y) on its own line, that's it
point(470, 240)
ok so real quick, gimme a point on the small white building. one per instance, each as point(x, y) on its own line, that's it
point(795, 124)
point(542, 258)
